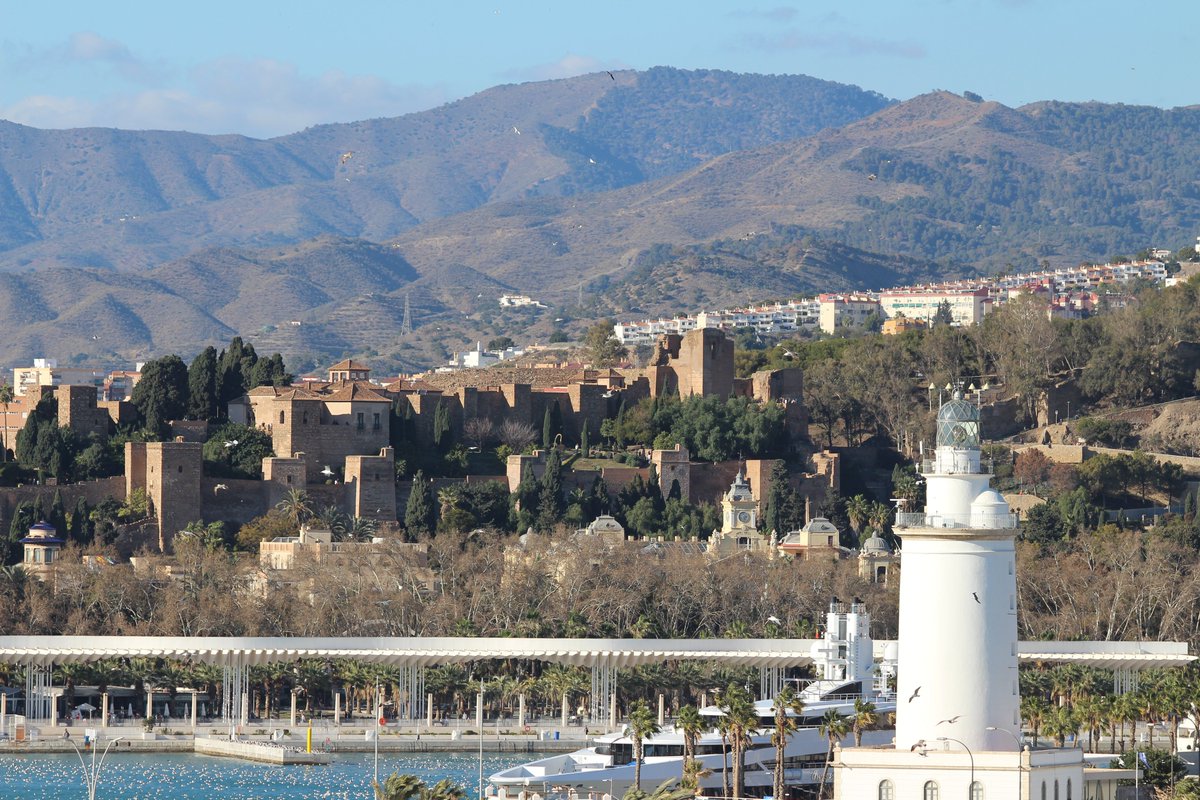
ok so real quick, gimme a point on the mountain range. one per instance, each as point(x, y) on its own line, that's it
point(628, 194)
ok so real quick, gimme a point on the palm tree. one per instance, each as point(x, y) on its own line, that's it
point(410, 787)
point(1033, 712)
point(864, 719)
point(833, 727)
point(359, 529)
point(295, 506)
point(786, 700)
point(858, 509)
point(737, 708)
point(642, 723)
point(1061, 723)
point(691, 724)
point(332, 519)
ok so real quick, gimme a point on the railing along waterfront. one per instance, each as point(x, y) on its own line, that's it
point(984, 521)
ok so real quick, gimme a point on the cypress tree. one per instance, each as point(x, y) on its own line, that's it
point(420, 514)
point(442, 435)
point(774, 518)
point(556, 422)
point(79, 528)
point(547, 430)
point(550, 506)
point(39, 511)
point(202, 386)
point(57, 516)
point(583, 440)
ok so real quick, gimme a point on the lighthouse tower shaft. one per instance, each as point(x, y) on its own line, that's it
point(957, 672)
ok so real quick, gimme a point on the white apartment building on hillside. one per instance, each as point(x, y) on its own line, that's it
point(967, 307)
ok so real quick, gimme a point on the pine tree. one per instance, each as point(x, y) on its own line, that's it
point(202, 386)
point(420, 513)
point(161, 395)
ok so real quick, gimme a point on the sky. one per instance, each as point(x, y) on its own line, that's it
point(264, 68)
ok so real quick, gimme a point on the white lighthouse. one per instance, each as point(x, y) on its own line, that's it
point(958, 725)
point(958, 600)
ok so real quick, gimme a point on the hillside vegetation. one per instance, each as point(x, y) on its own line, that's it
point(646, 193)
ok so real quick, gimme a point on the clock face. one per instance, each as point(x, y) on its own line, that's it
point(743, 516)
point(959, 434)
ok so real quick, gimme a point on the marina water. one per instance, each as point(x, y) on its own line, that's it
point(188, 777)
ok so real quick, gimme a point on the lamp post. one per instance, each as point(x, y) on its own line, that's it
point(378, 724)
point(970, 755)
point(91, 775)
point(1020, 760)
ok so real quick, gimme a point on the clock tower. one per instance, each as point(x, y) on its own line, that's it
point(739, 522)
point(739, 509)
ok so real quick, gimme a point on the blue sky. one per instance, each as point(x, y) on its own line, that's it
point(265, 68)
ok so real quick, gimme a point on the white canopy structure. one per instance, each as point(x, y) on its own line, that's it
point(611, 653)
point(604, 656)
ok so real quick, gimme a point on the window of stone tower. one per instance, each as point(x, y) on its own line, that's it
point(931, 790)
point(304, 419)
point(1068, 789)
point(887, 790)
point(1056, 789)
point(181, 468)
point(376, 424)
point(280, 417)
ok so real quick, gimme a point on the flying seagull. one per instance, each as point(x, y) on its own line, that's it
point(917, 746)
point(346, 156)
point(614, 77)
point(231, 443)
point(973, 594)
point(327, 471)
point(516, 130)
point(950, 721)
point(916, 693)
point(219, 487)
point(774, 619)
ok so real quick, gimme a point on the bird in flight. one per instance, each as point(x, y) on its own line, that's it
point(917, 746)
point(774, 620)
point(614, 77)
point(950, 721)
point(231, 443)
point(219, 487)
point(327, 471)
point(871, 177)
point(976, 596)
point(916, 693)
point(346, 156)
point(516, 130)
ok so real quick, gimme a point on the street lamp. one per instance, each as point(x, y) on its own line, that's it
point(1020, 759)
point(91, 775)
point(970, 755)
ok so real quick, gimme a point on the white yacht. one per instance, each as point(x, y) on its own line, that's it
point(844, 661)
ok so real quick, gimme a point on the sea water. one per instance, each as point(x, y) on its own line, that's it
point(187, 777)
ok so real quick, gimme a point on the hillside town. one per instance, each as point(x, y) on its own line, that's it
point(439, 402)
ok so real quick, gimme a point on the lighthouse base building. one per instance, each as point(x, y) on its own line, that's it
point(958, 724)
